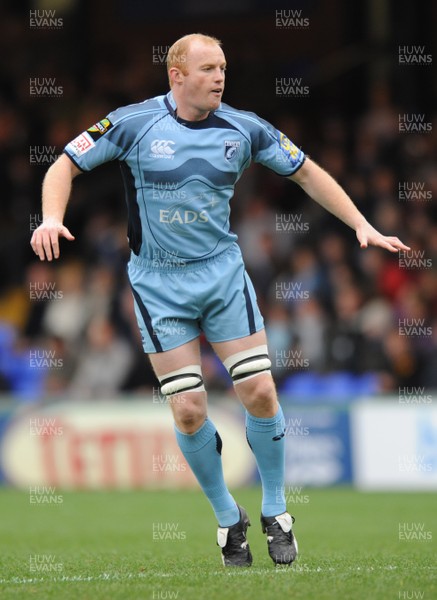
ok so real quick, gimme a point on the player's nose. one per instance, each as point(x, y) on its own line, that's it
point(219, 75)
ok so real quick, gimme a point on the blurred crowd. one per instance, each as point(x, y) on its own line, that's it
point(341, 321)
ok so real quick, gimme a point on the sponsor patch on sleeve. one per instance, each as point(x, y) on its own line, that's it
point(81, 144)
point(100, 128)
point(289, 152)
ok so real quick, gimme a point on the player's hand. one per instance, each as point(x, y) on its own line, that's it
point(45, 239)
point(369, 236)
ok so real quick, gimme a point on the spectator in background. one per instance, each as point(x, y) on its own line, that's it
point(103, 363)
point(344, 342)
point(280, 335)
point(68, 319)
point(309, 325)
point(39, 290)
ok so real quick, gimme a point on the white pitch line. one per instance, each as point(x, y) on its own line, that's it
point(73, 578)
point(302, 568)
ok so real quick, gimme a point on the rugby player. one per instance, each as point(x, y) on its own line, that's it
point(186, 266)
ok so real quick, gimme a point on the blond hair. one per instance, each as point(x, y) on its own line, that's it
point(177, 54)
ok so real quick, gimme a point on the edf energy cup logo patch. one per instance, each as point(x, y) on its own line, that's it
point(288, 148)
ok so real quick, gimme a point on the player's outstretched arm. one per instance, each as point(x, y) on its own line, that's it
point(55, 194)
point(322, 188)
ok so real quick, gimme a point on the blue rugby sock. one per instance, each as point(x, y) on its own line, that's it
point(202, 451)
point(267, 441)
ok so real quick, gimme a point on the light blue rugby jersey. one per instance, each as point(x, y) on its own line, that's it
point(180, 176)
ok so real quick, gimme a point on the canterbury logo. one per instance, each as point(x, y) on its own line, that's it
point(162, 147)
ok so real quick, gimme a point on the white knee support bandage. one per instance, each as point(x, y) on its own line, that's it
point(248, 363)
point(187, 379)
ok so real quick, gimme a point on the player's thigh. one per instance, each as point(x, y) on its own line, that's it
point(226, 349)
point(177, 358)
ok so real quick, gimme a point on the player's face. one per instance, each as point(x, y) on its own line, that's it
point(203, 82)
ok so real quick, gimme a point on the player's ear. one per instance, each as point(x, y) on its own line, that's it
point(176, 76)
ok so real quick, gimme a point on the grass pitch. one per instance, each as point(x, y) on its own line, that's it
point(161, 545)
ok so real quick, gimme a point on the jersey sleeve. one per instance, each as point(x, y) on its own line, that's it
point(107, 140)
point(273, 149)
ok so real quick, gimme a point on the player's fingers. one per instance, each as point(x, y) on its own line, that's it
point(47, 245)
point(392, 244)
point(45, 241)
point(54, 243)
point(33, 243)
point(396, 242)
point(391, 248)
point(37, 246)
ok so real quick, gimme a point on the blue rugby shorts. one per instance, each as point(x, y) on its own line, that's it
point(174, 303)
